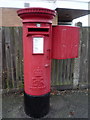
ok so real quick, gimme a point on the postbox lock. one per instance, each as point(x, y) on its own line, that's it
point(46, 65)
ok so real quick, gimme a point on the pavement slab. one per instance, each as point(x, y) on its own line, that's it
point(63, 104)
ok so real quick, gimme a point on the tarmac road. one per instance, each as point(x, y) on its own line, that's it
point(64, 104)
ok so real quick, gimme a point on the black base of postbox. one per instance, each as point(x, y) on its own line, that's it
point(36, 106)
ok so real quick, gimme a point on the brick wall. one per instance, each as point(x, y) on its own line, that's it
point(9, 17)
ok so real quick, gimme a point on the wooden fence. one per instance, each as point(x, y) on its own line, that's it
point(12, 63)
point(66, 74)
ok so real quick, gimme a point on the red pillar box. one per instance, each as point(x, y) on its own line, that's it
point(65, 42)
point(37, 36)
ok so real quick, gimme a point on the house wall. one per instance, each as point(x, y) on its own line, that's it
point(9, 17)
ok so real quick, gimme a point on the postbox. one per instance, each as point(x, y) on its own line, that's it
point(37, 38)
point(65, 42)
point(41, 43)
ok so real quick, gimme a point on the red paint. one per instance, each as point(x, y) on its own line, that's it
point(65, 42)
point(62, 40)
point(37, 66)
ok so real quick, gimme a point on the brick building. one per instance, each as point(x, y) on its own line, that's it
point(9, 17)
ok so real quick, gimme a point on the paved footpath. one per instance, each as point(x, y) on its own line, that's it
point(65, 104)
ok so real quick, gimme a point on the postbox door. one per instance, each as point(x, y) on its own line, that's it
point(37, 53)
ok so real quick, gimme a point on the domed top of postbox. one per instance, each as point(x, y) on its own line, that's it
point(36, 14)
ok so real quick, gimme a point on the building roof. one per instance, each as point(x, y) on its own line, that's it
point(67, 15)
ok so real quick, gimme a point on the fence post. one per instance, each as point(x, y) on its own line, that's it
point(1, 64)
point(0, 50)
point(77, 61)
point(0, 58)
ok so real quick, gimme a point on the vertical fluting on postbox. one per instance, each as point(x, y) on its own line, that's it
point(37, 33)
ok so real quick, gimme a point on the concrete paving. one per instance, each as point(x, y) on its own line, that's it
point(65, 104)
